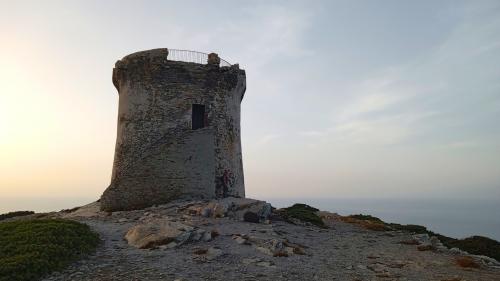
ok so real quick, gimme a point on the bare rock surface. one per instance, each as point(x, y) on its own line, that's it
point(158, 232)
point(209, 240)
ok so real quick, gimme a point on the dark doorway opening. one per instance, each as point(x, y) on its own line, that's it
point(199, 119)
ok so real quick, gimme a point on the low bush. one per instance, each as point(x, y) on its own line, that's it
point(303, 213)
point(31, 249)
point(409, 228)
point(15, 214)
point(366, 218)
point(476, 245)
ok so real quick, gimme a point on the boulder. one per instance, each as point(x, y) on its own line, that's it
point(232, 207)
point(207, 236)
point(158, 232)
point(265, 211)
point(241, 240)
point(274, 247)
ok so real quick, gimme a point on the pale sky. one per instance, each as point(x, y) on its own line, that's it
point(344, 98)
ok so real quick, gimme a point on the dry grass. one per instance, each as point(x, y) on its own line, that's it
point(466, 262)
point(374, 226)
point(370, 224)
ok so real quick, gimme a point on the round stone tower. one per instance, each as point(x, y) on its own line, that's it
point(178, 129)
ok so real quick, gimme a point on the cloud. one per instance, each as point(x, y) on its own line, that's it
point(377, 114)
point(380, 132)
point(373, 95)
point(435, 96)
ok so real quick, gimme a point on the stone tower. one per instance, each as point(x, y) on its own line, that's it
point(178, 130)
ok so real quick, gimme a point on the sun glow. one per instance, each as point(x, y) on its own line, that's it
point(42, 149)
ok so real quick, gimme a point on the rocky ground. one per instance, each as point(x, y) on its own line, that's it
point(202, 240)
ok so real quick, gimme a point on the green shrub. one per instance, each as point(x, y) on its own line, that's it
point(476, 245)
point(30, 249)
point(366, 218)
point(304, 213)
point(409, 227)
point(15, 214)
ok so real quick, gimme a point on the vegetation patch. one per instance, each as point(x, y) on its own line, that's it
point(365, 218)
point(413, 228)
point(15, 214)
point(31, 249)
point(303, 213)
point(476, 245)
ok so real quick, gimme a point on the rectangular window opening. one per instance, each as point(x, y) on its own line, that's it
point(198, 116)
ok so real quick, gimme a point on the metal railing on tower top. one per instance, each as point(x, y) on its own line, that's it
point(191, 56)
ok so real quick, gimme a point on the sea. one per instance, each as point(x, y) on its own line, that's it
point(458, 218)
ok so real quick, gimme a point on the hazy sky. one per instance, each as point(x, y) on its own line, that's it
point(344, 98)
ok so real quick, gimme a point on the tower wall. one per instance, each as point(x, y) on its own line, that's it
point(158, 156)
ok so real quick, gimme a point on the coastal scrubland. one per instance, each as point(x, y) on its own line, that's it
point(30, 249)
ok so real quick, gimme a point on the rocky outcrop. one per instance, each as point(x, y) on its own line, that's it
point(232, 207)
point(271, 247)
point(169, 232)
point(164, 232)
point(210, 240)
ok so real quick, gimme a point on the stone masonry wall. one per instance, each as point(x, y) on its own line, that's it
point(158, 157)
